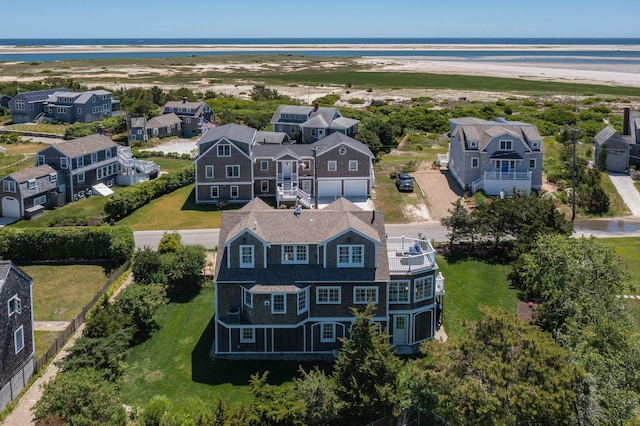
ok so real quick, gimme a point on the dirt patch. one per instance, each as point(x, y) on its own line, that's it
point(525, 310)
point(154, 376)
point(440, 190)
point(417, 213)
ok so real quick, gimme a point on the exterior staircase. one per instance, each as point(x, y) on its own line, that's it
point(133, 170)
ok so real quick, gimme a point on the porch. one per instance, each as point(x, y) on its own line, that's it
point(495, 181)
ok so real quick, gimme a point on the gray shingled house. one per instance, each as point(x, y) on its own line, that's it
point(16, 335)
point(164, 126)
point(137, 130)
point(495, 156)
point(27, 193)
point(285, 280)
point(26, 106)
point(312, 123)
point(236, 163)
point(194, 116)
point(621, 150)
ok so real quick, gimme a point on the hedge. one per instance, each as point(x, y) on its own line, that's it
point(125, 202)
point(81, 243)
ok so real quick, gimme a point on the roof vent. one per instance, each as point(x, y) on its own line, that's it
point(255, 225)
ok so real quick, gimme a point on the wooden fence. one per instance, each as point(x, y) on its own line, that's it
point(78, 320)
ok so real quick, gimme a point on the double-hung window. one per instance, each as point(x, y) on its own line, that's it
point(327, 332)
point(14, 305)
point(18, 339)
point(303, 297)
point(94, 157)
point(246, 256)
point(40, 161)
point(350, 256)
point(365, 294)
point(332, 165)
point(233, 171)
point(328, 295)
point(506, 145)
point(248, 298)
point(208, 171)
point(423, 288)
point(63, 163)
point(353, 165)
point(81, 177)
point(224, 150)
point(9, 186)
point(264, 165)
point(295, 253)
point(278, 303)
point(80, 162)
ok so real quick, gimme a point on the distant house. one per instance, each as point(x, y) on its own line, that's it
point(82, 163)
point(163, 126)
point(286, 280)
point(16, 335)
point(237, 163)
point(27, 193)
point(620, 150)
point(138, 129)
point(312, 123)
point(496, 155)
point(195, 116)
point(62, 105)
point(4, 100)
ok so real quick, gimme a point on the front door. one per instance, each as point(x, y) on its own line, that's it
point(400, 329)
point(286, 170)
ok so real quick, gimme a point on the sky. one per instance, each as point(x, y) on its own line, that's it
point(317, 19)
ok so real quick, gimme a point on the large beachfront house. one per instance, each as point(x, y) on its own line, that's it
point(497, 156)
point(237, 163)
point(62, 105)
point(286, 278)
point(619, 151)
point(16, 335)
point(312, 123)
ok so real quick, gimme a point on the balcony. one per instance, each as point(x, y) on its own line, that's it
point(495, 181)
point(405, 257)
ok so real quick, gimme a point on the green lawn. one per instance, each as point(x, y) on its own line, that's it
point(60, 291)
point(91, 207)
point(175, 362)
point(629, 251)
point(168, 164)
point(176, 210)
point(469, 283)
point(56, 129)
point(44, 340)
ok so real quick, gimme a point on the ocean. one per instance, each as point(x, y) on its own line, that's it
point(615, 51)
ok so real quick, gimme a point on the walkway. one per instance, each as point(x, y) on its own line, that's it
point(628, 192)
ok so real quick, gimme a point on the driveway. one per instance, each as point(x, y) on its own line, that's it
point(181, 146)
point(628, 192)
point(440, 189)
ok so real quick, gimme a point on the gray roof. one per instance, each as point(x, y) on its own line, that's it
point(328, 114)
point(85, 145)
point(163, 120)
point(32, 173)
point(317, 121)
point(234, 132)
point(336, 139)
point(5, 269)
point(306, 150)
point(483, 131)
point(271, 137)
point(343, 123)
point(138, 122)
point(278, 226)
point(195, 107)
point(38, 95)
point(79, 97)
point(611, 138)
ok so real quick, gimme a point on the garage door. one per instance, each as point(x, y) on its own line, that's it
point(329, 188)
point(355, 188)
point(10, 207)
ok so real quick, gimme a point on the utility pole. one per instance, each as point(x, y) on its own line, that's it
point(573, 176)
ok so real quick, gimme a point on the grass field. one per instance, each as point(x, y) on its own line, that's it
point(44, 340)
point(629, 251)
point(55, 129)
point(175, 360)
point(177, 210)
point(60, 291)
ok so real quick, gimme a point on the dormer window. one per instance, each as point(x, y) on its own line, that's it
point(535, 145)
point(295, 254)
point(14, 305)
point(350, 256)
point(31, 184)
point(506, 145)
point(473, 144)
point(246, 256)
point(53, 177)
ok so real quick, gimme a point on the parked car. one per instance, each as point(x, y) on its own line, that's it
point(404, 182)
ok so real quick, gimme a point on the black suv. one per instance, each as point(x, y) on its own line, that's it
point(404, 182)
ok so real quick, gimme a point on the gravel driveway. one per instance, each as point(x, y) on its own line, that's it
point(440, 189)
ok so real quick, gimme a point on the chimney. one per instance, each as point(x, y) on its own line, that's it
point(316, 106)
point(626, 124)
point(184, 99)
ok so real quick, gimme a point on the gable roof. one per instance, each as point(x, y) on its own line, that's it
point(138, 122)
point(32, 173)
point(85, 145)
point(271, 137)
point(232, 131)
point(38, 95)
point(611, 138)
point(194, 107)
point(335, 139)
point(163, 120)
point(483, 131)
point(6, 266)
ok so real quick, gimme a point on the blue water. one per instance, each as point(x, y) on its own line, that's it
point(616, 55)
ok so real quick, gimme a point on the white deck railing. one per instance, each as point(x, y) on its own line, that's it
point(402, 258)
point(503, 178)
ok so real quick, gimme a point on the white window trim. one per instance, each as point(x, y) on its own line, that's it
point(333, 332)
point(41, 200)
point(232, 168)
point(366, 289)
point(427, 281)
point(80, 162)
point(298, 249)
point(53, 177)
point(94, 157)
point(232, 189)
point(17, 305)
point(31, 184)
point(40, 160)
point(304, 293)
point(329, 290)
point(247, 339)
point(350, 263)
point(240, 260)
point(508, 145)
point(353, 165)
point(264, 166)
point(247, 298)
point(534, 163)
point(208, 171)
point(405, 287)
point(64, 164)
point(475, 163)
point(107, 153)
point(81, 177)
point(224, 148)
point(264, 186)
point(284, 303)
point(217, 192)
point(8, 186)
point(332, 165)
point(20, 332)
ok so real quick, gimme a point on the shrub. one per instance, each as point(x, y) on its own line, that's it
point(89, 243)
